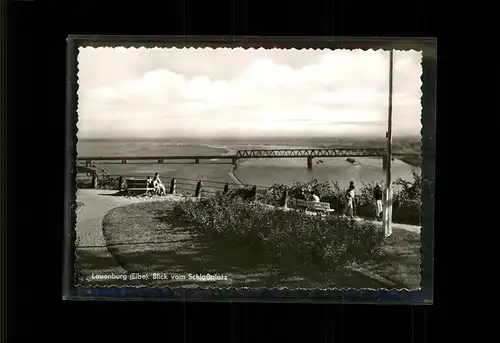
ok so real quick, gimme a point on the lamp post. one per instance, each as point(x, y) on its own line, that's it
point(387, 224)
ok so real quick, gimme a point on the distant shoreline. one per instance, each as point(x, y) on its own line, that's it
point(233, 176)
point(413, 160)
point(311, 140)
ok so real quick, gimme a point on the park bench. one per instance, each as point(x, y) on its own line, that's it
point(321, 207)
point(134, 185)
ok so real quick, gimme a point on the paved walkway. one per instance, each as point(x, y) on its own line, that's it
point(92, 254)
point(411, 228)
point(407, 227)
point(96, 203)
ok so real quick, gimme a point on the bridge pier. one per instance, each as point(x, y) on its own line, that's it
point(309, 162)
point(160, 161)
point(197, 160)
point(124, 161)
point(235, 162)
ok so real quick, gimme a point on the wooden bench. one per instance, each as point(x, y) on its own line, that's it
point(133, 185)
point(323, 207)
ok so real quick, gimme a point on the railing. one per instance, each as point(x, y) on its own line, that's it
point(363, 207)
point(175, 185)
point(188, 187)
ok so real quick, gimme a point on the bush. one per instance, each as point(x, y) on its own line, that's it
point(83, 182)
point(329, 191)
point(330, 241)
point(408, 212)
point(104, 181)
point(243, 193)
point(407, 203)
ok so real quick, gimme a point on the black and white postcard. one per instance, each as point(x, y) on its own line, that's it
point(228, 168)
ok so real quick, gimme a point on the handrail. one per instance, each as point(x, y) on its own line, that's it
point(125, 176)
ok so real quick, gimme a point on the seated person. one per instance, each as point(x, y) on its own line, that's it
point(302, 196)
point(314, 197)
point(158, 185)
point(149, 182)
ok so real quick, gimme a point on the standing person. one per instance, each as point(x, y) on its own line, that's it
point(377, 196)
point(349, 197)
point(158, 185)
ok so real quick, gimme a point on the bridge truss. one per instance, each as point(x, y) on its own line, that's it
point(273, 153)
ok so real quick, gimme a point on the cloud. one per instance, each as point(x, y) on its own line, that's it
point(142, 92)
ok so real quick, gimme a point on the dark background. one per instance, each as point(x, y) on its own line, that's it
point(34, 44)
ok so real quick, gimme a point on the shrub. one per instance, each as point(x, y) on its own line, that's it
point(329, 191)
point(83, 182)
point(330, 241)
point(407, 203)
point(410, 191)
point(243, 193)
point(104, 180)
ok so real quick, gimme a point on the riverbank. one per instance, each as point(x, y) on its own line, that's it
point(234, 177)
point(413, 160)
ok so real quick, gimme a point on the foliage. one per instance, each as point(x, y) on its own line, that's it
point(83, 182)
point(245, 193)
point(410, 191)
point(406, 202)
point(330, 241)
point(104, 181)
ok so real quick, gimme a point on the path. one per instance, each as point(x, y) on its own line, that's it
point(96, 203)
point(407, 227)
point(92, 254)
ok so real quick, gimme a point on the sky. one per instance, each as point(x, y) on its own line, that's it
point(197, 93)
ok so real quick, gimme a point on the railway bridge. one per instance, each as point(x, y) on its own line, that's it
point(308, 154)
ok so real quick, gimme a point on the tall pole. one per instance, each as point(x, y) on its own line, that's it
point(388, 181)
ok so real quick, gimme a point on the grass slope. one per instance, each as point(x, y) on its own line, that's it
point(401, 259)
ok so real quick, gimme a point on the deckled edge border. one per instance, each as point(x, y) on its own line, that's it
point(424, 294)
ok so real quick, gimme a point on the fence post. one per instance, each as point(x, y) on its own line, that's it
point(226, 188)
point(173, 184)
point(285, 198)
point(199, 186)
point(120, 182)
point(254, 192)
point(94, 181)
